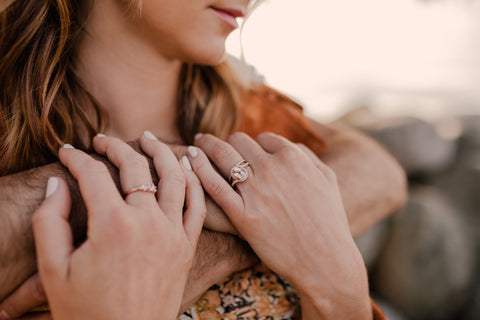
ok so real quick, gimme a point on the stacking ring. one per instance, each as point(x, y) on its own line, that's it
point(150, 188)
point(239, 173)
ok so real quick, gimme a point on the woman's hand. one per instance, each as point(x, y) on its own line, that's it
point(291, 213)
point(135, 261)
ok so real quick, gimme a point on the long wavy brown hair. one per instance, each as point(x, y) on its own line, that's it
point(43, 104)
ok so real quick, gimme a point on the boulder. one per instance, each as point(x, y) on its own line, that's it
point(416, 144)
point(390, 312)
point(371, 243)
point(427, 267)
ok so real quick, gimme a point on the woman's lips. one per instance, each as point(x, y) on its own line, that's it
point(228, 16)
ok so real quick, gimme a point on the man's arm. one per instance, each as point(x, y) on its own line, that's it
point(372, 183)
point(218, 255)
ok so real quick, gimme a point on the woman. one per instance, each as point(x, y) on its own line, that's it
point(148, 64)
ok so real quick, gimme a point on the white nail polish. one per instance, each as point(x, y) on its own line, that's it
point(68, 146)
point(186, 163)
point(150, 135)
point(198, 135)
point(101, 135)
point(4, 315)
point(52, 186)
point(192, 151)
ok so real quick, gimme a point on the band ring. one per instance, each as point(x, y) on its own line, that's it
point(150, 188)
point(239, 172)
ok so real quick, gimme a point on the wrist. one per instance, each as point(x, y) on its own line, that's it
point(337, 291)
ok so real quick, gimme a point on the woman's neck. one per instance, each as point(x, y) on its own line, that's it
point(133, 82)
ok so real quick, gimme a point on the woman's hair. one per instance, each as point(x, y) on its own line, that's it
point(43, 104)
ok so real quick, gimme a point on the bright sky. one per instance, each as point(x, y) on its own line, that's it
point(396, 56)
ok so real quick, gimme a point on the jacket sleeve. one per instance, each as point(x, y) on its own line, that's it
point(265, 110)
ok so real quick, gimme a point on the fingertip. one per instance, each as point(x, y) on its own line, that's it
point(52, 186)
point(186, 165)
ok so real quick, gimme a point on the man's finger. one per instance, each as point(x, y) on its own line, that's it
point(52, 232)
point(26, 298)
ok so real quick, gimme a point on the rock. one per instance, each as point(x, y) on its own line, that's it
point(390, 312)
point(470, 138)
point(472, 311)
point(428, 263)
point(462, 184)
point(416, 144)
point(371, 243)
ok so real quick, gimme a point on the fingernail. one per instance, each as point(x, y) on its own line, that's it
point(192, 151)
point(198, 135)
point(101, 135)
point(150, 135)
point(52, 186)
point(4, 315)
point(186, 163)
point(68, 146)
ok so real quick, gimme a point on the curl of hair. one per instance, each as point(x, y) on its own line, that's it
point(43, 104)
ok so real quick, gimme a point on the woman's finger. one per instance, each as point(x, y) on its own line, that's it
point(171, 187)
point(26, 298)
point(133, 168)
point(247, 147)
point(272, 143)
point(222, 154)
point(214, 184)
point(196, 209)
point(96, 185)
point(316, 161)
point(52, 232)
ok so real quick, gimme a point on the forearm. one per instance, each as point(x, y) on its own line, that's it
point(372, 183)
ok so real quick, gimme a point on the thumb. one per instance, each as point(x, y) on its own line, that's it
point(52, 232)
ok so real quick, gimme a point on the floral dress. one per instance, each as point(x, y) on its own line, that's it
point(247, 295)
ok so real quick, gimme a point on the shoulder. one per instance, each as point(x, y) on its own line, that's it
point(266, 109)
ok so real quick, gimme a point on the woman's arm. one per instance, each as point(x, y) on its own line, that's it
point(372, 183)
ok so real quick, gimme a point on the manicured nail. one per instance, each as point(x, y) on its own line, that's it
point(52, 186)
point(192, 151)
point(186, 163)
point(198, 135)
point(150, 135)
point(68, 146)
point(101, 135)
point(4, 315)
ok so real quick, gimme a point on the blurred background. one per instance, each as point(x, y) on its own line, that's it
point(406, 72)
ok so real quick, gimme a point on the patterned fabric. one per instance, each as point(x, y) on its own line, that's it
point(247, 295)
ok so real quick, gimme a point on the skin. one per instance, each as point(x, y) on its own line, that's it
point(292, 197)
point(121, 61)
point(143, 244)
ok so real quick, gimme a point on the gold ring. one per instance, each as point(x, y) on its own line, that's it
point(239, 173)
point(150, 188)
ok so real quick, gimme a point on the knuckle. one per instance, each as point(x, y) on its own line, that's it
point(290, 153)
point(94, 167)
point(237, 136)
point(220, 151)
point(215, 189)
point(330, 174)
point(176, 177)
